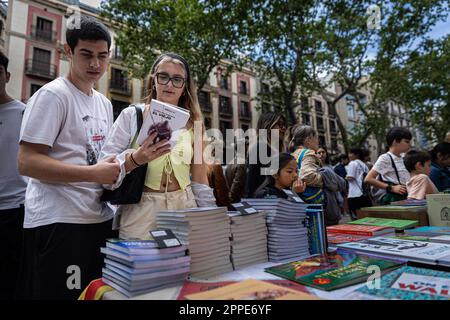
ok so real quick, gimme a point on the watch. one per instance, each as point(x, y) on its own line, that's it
point(389, 188)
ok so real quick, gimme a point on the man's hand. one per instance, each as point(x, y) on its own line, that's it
point(106, 171)
point(399, 189)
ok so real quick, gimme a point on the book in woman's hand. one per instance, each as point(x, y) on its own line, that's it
point(167, 120)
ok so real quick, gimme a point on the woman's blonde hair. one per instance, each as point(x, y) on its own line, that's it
point(188, 99)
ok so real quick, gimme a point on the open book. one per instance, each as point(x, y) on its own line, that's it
point(166, 119)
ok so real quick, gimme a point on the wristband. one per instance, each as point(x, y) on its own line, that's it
point(134, 161)
point(389, 188)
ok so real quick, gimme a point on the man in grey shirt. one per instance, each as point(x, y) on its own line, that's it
point(12, 185)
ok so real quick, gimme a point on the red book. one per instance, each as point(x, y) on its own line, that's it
point(338, 238)
point(360, 230)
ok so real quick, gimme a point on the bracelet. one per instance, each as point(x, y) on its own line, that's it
point(134, 161)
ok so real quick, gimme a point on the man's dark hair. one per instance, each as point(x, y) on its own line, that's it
point(443, 148)
point(357, 152)
point(397, 134)
point(343, 157)
point(89, 29)
point(413, 157)
point(4, 61)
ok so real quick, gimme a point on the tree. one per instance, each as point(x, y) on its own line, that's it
point(203, 32)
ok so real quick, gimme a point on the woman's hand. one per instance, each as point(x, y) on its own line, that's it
point(299, 186)
point(149, 151)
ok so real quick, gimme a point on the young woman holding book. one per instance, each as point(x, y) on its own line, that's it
point(171, 174)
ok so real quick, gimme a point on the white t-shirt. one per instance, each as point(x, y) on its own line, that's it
point(355, 169)
point(384, 167)
point(12, 184)
point(74, 126)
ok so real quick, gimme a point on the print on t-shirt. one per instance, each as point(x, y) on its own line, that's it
point(95, 135)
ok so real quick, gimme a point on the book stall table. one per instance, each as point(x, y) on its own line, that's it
point(251, 272)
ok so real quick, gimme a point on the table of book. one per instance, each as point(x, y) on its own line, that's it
point(251, 272)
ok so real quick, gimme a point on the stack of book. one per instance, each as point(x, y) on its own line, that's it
point(206, 233)
point(396, 248)
point(248, 239)
point(138, 267)
point(432, 234)
point(343, 233)
point(287, 231)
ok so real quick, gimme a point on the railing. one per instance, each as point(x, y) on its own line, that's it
point(43, 35)
point(40, 69)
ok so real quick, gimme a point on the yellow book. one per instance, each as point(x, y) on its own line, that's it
point(252, 290)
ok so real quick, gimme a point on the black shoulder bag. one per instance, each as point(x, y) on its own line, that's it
point(130, 191)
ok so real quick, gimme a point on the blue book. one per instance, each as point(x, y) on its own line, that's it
point(316, 230)
point(430, 231)
point(410, 283)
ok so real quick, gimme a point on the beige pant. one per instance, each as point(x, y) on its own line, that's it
point(137, 219)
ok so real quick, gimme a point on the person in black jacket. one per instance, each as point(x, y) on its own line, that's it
point(268, 121)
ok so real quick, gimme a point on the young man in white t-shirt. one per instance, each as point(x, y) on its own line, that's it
point(63, 130)
point(355, 175)
point(12, 185)
point(389, 172)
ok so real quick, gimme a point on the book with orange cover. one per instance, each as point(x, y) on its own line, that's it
point(251, 289)
point(360, 230)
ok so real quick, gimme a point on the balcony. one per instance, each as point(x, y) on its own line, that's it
point(225, 106)
point(40, 69)
point(120, 86)
point(43, 35)
point(244, 111)
point(204, 101)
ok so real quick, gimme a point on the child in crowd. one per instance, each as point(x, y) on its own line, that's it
point(389, 173)
point(285, 178)
point(419, 165)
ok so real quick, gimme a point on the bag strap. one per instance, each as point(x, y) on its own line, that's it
point(300, 158)
point(395, 168)
point(139, 121)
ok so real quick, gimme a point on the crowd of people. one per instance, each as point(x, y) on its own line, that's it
point(63, 149)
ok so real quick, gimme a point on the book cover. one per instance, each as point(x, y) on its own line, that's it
point(190, 287)
point(418, 251)
point(432, 230)
point(251, 289)
point(410, 283)
point(317, 235)
point(336, 238)
point(439, 209)
point(382, 222)
point(165, 119)
point(331, 271)
point(360, 230)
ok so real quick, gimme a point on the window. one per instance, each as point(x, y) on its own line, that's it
point(332, 125)
point(225, 105)
point(320, 124)
point(318, 106)
point(119, 81)
point(41, 61)
point(334, 145)
point(245, 109)
point(224, 83)
point(306, 119)
point(43, 29)
point(117, 52)
point(304, 102)
point(203, 100)
point(118, 106)
point(223, 126)
point(243, 87)
point(33, 88)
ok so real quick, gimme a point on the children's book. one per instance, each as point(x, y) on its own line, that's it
point(382, 222)
point(331, 271)
point(336, 238)
point(360, 230)
point(140, 247)
point(410, 283)
point(429, 231)
point(416, 251)
point(191, 287)
point(251, 289)
point(439, 209)
point(167, 120)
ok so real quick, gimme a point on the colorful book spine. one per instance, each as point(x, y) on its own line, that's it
point(317, 235)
